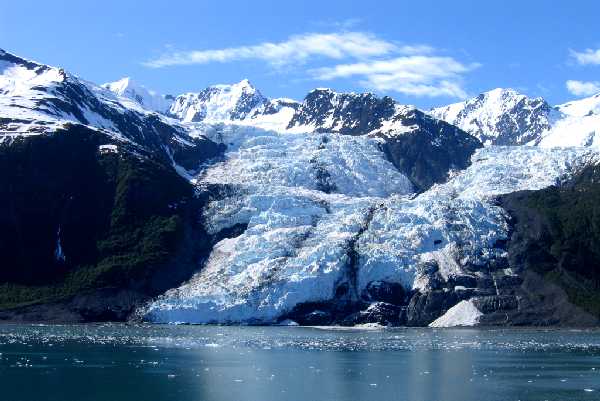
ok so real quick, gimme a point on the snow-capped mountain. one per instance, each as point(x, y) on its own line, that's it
point(128, 89)
point(39, 99)
point(324, 110)
point(230, 207)
point(239, 103)
point(410, 138)
point(501, 117)
point(218, 103)
point(506, 117)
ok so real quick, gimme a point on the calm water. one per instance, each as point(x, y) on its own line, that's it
point(118, 362)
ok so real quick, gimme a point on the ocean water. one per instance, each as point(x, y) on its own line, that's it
point(125, 362)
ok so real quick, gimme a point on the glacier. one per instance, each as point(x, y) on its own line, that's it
point(322, 210)
point(304, 205)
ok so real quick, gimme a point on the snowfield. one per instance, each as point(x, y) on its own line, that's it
point(579, 126)
point(310, 202)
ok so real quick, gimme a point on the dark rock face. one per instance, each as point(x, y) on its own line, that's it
point(275, 105)
point(425, 307)
point(322, 313)
point(378, 312)
point(427, 154)
point(349, 113)
point(381, 291)
point(555, 239)
point(86, 235)
point(526, 121)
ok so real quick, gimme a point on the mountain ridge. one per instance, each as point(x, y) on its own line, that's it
point(507, 117)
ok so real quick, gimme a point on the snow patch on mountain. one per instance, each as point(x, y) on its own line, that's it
point(274, 115)
point(579, 125)
point(582, 107)
point(24, 99)
point(573, 130)
point(127, 89)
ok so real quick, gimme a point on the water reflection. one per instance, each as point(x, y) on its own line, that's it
point(250, 363)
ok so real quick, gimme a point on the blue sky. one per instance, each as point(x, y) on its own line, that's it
point(420, 52)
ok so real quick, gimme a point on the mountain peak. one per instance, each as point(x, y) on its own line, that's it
point(222, 102)
point(330, 91)
point(322, 90)
point(501, 116)
point(500, 91)
point(242, 86)
point(120, 86)
point(325, 110)
point(245, 83)
point(511, 93)
point(129, 89)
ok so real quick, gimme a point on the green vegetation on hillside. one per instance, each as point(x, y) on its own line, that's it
point(561, 228)
point(119, 219)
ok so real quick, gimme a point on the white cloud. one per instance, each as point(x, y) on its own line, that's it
point(417, 75)
point(375, 63)
point(588, 56)
point(581, 88)
point(296, 49)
